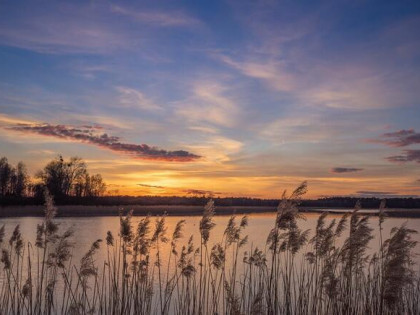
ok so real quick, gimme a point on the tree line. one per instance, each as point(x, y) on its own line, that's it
point(332, 202)
point(63, 178)
point(70, 183)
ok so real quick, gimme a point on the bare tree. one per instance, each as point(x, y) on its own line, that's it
point(13, 181)
point(5, 174)
point(71, 178)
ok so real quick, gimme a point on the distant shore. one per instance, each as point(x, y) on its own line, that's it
point(180, 210)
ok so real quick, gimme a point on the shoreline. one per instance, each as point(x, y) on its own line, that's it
point(142, 210)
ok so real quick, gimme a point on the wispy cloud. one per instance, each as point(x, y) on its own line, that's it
point(188, 191)
point(406, 156)
point(401, 138)
point(209, 104)
point(294, 56)
point(63, 28)
point(204, 129)
point(94, 28)
point(201, 192)
point(319, 83)
point(151, 186)
point(340, 170)
point(382, 194)
point(7, 120)
point(272, 72)
point(136, 99)
point(369, 192)
point(89, 72)
point(90, 135)
point(157, 18)
point(218, 149)
point(297, 127)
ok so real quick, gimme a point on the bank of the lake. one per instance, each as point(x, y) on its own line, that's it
point(180, 210)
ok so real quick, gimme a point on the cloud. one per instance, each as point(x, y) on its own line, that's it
point(268, 71)
point(151, 186)
point(158, 18)
point(298, 126)
point(195, 192)
point(134, 98)
point(369, 192)
point(90, 135)
point(204, 129)
point(98, 28)
point(407, 156)
point(340, 86)
point(89, 71)
point(200, 192)
point(290, 56)
point(340, 170)
point(63, 28)
point(401, 138)
point(382, 194)
point(210, 104)
point(5, 119)
point(217, 149)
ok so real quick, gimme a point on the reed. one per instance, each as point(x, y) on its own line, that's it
point(328, 271)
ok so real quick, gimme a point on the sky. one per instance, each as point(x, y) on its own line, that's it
point(236, 98)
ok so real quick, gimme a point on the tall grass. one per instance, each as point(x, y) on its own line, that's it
point(328, 271)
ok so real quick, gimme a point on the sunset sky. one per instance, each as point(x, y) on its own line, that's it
point(240, 98)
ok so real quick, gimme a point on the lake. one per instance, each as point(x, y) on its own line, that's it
point(89, 229)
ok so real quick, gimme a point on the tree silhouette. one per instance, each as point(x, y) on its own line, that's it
point(70, 178)
point(13, 181)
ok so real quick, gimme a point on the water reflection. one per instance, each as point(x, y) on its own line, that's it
point(89, 229)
